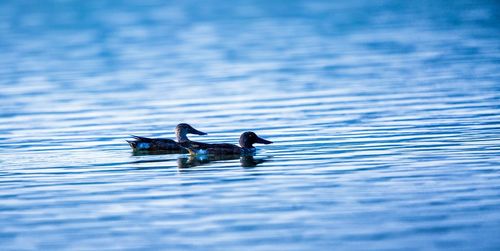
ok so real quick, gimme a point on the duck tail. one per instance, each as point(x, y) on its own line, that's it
point(191, 151)
point(132, 143)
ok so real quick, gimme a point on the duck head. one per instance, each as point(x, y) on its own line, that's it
point(247, 140)
point(182, 129)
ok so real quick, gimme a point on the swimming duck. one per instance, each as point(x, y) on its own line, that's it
point(160, 144)
point(247, 139)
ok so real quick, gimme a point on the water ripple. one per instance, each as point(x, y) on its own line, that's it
point(384, 118)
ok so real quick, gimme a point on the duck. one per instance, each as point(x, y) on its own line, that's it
point(247, 139)
point(161, 144)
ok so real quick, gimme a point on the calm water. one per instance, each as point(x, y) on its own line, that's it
point(385, 117)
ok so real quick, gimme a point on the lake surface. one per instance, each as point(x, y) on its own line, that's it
point(385, 117)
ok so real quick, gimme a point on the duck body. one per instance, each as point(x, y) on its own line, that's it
point(154, 144)
point(217, 149)
point(165, 145)
point(247, 140)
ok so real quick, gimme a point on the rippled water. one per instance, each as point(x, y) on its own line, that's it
point(385, 117)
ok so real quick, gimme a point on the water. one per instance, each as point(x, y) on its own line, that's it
point(385, 117)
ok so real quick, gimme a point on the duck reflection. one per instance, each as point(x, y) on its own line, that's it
point(188, 161)
point(250, 161)
point(193, 161)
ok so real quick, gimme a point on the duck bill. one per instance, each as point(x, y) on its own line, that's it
point(263, 141)
point(194, 131)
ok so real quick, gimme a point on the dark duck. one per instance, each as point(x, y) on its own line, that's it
point(165, 145)
point(247, 139)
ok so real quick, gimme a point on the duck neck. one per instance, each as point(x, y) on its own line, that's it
point(248, 146)
point(181, 136)
point(245, 143)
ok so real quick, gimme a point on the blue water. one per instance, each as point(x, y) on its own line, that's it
point(385, 117)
